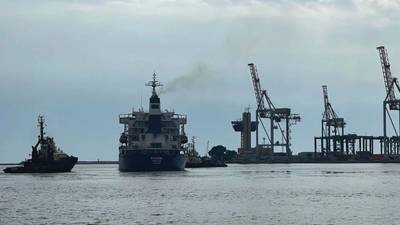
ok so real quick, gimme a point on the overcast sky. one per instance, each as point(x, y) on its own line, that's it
point(82, 63)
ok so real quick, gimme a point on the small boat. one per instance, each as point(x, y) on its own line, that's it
point(197, 161)
point(45, 157)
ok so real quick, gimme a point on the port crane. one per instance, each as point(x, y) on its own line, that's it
point(266, 109)
point(354, 146)
point(390, 103)
point(331, 125)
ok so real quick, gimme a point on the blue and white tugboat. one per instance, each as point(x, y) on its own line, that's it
point(153, 140)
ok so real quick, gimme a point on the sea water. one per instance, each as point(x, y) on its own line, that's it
point(238, 194)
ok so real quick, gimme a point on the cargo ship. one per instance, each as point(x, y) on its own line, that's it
point(46, 157)
point(154, 140)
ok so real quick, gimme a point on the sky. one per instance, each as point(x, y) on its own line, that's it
point(82, 63)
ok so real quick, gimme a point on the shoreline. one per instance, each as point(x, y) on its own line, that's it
point(85, 162)
point(275, 162)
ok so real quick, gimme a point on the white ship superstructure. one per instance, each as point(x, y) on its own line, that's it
point(152, 139)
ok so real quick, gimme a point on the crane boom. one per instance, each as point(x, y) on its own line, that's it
point(257, 86)
point(388, 79)
point(329, 113)
point(266, 109)
point(325, 93)
point(330, 118)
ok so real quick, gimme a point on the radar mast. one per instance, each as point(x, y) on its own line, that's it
point(154, 83)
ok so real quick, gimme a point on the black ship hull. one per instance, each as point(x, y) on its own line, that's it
point(56, 166)
point(133, 161)
point(205, 165)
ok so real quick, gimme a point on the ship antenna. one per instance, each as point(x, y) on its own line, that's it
point(41, 125)
point(154, 83)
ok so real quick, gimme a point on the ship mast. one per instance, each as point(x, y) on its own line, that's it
point(154, 103)
point(40, 137)
point(41, 125)
point(154, 83)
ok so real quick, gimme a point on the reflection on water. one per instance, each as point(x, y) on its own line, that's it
point(239, 194)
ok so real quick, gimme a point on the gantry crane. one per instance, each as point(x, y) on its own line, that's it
point(331, 125)
point(275, 115)
point(390, 103)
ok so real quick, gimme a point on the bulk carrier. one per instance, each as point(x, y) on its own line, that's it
point(153, 140)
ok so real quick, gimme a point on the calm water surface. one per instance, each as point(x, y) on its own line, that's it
point(239, 194)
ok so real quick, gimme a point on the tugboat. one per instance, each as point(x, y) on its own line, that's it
point(46, 157)
point(197, 161)
point(153, 140)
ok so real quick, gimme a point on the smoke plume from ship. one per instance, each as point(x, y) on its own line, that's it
point(194, 79)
